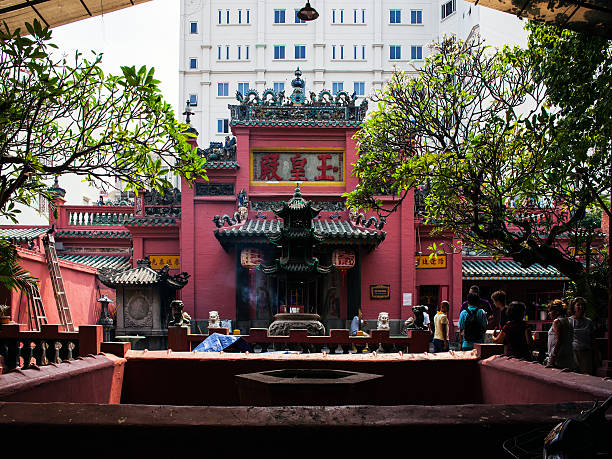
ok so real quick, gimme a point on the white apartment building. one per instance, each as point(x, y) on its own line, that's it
point(237, 45)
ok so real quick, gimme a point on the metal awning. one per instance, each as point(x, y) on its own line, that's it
point(590, 16)
point(53, 13)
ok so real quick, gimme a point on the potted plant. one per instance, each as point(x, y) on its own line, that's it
point(5, 316)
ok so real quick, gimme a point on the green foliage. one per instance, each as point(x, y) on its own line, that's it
point(66, 116)
point(492, 148)
point(12, 275)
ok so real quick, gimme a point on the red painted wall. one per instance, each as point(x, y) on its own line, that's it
point(81, 290)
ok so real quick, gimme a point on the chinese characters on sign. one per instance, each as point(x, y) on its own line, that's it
point(380, 292)
point(300, 166)
point(423, 261)
point(159, 261)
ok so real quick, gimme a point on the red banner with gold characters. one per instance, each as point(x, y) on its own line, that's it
point(159, 261)
point(427, 262)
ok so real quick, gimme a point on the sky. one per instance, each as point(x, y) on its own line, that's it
point(145, 34)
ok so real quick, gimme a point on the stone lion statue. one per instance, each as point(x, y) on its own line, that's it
point(214, 321)
point(179, 317)
point(383, 321)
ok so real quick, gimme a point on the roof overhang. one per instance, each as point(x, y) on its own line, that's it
point(589, 16)
point(53, 13)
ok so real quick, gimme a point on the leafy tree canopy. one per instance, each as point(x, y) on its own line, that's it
point(60, 115)
point(507, 148)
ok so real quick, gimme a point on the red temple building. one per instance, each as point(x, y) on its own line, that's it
point(219, 230)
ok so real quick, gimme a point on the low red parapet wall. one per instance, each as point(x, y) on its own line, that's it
point(417, 341)
point(506, 380)
point(91, 379)
point(194, 378)
point(152, 431)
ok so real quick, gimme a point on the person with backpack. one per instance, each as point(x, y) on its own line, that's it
point(472, 323)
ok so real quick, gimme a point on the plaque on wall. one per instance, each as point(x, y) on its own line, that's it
point(380, 292)
point(298, 166)
point(159, 261)
point(425, 262)
point(214, 189)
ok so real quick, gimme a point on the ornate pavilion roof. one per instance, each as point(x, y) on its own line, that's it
point(332, 231)
point(299, 109)
point(143, 275)
point(507, 270)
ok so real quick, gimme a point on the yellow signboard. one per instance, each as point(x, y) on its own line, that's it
point(425, 262)
point(159, 261)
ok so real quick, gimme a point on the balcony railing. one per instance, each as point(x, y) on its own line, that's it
point(23, 349)
point(337, 342)
point(94, 215)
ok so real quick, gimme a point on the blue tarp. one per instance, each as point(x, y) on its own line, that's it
point(217, 343)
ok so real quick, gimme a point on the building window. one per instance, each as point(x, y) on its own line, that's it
point(363, 16)
point(222, 89)
point(223, 126)
point(193, 100)
point(416, 52)
point(239, 16)
point(363, 52)
point(337, 86)
point(341, 51)
point(279, 86)
point(395, 16)
point(355, 52)
point(333, 51)
point(220, 16)
point(395, 52)
point(279, 51)
point(359, 88)
point(193, 63)
point(297, 19)
point(416, 17)
point(193, 27)
point(218, 52)
point(247, 52)
point(448, 8)
point(227, 52)
point(243, 88)
point(341, 16)
point(248, 16)
point(279, 16)
point(227, 16)
point(300, 52)
point(333, 16)
point(239, 52)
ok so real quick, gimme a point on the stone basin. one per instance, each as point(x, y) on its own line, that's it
point(285, 321)
point(310, 386)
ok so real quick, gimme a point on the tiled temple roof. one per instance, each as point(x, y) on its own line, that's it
point(142, 275)
point(93, 234)
point(507, 270)
point(22, 234)
point(100, 261)
point(300, 123)
point(151, 222)
point(332, 231)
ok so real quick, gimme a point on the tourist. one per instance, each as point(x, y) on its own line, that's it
point(426, 321)
point(500, 312)
point(560, 338)
point(440, 340)
point(515, 333)
point(584, 336)
point(472, 323)
point(482, 303)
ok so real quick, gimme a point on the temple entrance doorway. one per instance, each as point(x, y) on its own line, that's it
point(429, 295)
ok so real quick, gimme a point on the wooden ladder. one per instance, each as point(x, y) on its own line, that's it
point(58, 283)
point(36, 310)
